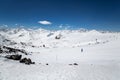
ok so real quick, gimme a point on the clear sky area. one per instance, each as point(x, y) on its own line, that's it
point(52, 14)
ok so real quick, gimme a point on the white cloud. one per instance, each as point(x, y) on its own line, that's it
point(45, 22)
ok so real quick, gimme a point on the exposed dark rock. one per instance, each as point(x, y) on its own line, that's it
point(21, 35)
point(23, 51)
point(23, 43)
point(13, 43)
point(14, 57)
point(50, 34)
point(57, 37)
point(47, 64)
point(23, 60)
point(9, 41)
point(6, 40)
point(1, 51)
point(75, 64)
point(33, 63)
point(10, 50)
point(32, 46)
point(70, 64)
point(26, 61)
point(43, 45)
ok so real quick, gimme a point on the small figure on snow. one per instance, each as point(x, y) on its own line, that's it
point(96, 40)
point(81, 49)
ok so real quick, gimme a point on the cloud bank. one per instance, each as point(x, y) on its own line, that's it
point(45, 22)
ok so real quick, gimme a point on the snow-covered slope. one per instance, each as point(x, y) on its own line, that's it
point(68, 38)
point(100, 59)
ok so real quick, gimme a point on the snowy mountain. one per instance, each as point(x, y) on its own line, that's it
point(41, 36)
point(96, 54)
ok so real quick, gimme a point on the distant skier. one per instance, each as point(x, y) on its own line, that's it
point(96, 40)
point(81, 49)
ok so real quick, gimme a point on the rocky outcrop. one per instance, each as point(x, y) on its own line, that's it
point(14, 57)
point(11, 50)
point(73, 64)
point(58, 36)
point(26, 61)
point(1, 51)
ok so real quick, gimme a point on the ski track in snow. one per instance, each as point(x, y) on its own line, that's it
point(100, 59)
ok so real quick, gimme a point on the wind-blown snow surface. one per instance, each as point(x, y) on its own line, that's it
point(100, 59)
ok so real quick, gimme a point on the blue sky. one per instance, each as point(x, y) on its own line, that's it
point(90, 14)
